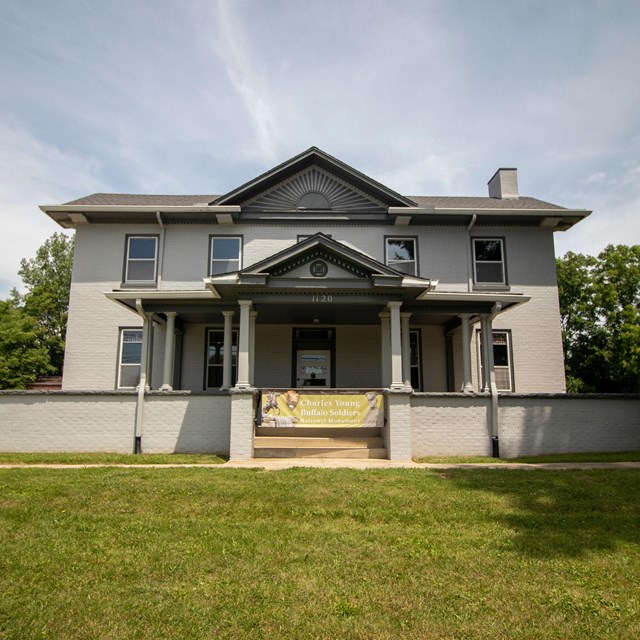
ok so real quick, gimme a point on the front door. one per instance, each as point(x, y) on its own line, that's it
point(313, 368)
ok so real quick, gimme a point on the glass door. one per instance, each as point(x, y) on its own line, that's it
point(313, 368)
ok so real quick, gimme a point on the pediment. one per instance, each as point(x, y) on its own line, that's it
point(313, 172)
point(314, 189)
point(340, 260)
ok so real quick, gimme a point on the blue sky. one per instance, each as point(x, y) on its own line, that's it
point(428, 97)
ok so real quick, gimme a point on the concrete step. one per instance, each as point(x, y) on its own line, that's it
point(283, 442)
point(319, 452)
point(319, 432)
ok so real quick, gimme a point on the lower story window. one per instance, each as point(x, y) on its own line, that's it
point(130, 358)
point(501, 359)
point(215, 357)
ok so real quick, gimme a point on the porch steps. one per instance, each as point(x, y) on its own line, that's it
point(306, 442)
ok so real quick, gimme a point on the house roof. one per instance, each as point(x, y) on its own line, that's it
point(277, 195)
point(447, 202)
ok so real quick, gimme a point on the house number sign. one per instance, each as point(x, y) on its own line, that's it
point(321, 297)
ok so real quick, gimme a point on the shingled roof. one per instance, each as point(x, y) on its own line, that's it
point(444, 202)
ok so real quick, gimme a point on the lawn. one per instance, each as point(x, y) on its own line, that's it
point(314, 553)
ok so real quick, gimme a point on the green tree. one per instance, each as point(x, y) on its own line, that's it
point(600, 311)
point(47, 278)
point(23, 353)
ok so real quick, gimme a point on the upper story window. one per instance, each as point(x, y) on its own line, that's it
point(226, 254)
point(402, 255)
point(488, 261)
point(141, 264)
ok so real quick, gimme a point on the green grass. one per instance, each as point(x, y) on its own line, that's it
point(311, 553)
point(109, 458)
point(623, 456)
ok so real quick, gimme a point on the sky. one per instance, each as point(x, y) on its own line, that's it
point(428, 97)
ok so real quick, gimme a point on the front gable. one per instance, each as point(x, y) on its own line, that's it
point(313, 180)
point(314, 189)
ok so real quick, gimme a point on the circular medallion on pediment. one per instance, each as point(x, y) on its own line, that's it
point(319, 269)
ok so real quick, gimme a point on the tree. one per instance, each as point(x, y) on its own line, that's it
point(600, 311)
point(47, 278)
point(23, 353)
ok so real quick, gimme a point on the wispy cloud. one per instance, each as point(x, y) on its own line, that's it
point(34, 173)
point(247, 75)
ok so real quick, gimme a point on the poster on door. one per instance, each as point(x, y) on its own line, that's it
point(297, 409)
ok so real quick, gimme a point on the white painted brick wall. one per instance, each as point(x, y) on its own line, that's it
point(538, 425)
point(101, 422)
point(242, 425)
point(449, 425)
point(92, 339)
point(398, 432)
point(32, 422)
point(186, 424)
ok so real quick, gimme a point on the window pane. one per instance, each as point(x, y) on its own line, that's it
point(500, 355)
point(224, 266)
point(225, 248)
point(489, 272)
point(141, 270)
point(131, 347)
point(142, 248)
point(214, 377)
point(398, 249)
point(488, 250)
point(404, 267)
point(129, 376)
point(131, 353)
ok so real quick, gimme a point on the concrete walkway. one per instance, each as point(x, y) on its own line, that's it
point(277, 464)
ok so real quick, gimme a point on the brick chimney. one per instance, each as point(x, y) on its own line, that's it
point(504, 184)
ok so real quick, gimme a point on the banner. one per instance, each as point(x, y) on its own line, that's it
point(298, 409)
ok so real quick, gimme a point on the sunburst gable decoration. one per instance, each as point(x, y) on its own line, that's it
point(313, 189)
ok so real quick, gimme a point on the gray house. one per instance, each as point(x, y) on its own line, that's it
point(316, 279)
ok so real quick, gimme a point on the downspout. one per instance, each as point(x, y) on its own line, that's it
point(469, 250)
point(161, 248)
point(142, 385)
point(495, 442)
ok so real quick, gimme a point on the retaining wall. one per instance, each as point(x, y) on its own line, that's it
point(531, 424)
point(174, 422)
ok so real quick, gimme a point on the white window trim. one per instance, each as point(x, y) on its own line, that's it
point(500, 262)
point(508, 368)
point(392, 263)
point(120, 353)
point(129, 260)
point(224, 237)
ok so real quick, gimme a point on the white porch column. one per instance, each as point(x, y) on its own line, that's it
point(467, 386)
point(243, 346)
point(385, 348)
point(252, 345)
point(406, 349)
point(169, 351)
point(487, 352)
point(396, 346)
point(227, 349)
